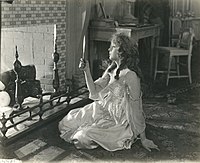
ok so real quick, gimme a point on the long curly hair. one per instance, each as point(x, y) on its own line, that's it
point(128, 50)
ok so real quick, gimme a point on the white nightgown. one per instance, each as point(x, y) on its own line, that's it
point(113, 120)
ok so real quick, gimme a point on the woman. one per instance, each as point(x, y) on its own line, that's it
point(115, 119)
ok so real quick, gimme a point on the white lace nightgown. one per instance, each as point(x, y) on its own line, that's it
point(113, 120)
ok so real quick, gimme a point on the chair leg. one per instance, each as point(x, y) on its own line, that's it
point(156, 65)
point(178, 65)
point(189, 69)
point(168, 71)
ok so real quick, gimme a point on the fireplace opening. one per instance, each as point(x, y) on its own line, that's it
point(35, 46)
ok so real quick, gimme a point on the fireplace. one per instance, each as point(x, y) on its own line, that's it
point(35, 46)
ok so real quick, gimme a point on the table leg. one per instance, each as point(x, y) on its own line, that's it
point(154, 43)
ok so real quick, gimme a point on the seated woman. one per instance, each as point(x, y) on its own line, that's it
point(115, 119)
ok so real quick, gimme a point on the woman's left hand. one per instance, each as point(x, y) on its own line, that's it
point(149, 144)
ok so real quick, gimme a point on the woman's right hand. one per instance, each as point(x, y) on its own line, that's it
point(84, 65)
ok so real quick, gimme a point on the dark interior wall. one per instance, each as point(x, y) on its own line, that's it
point(156, 11)
point(152, 12)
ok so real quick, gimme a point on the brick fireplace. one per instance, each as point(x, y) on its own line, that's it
point(38, 15)
point(35, 45)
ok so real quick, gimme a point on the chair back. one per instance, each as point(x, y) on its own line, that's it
point(176, 26)
point(185, 41)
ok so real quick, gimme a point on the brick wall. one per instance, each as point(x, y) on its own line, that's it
point(24, 13)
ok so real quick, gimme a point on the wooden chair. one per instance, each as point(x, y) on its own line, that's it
point(175, 26)
point(183, 49)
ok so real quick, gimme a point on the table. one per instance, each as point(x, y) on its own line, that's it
point(103, 34)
